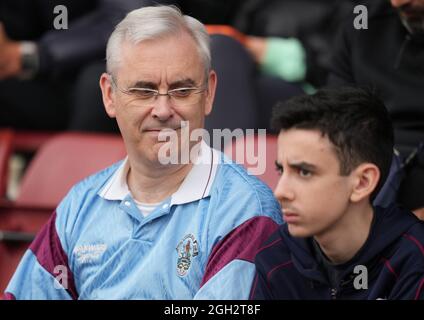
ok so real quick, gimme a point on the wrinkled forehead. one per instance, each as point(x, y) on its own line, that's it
point(171, 58)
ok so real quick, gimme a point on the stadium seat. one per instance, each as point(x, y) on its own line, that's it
point(245, 145)
point(31, 141)
point(6, 137)
point(226, 30)
point(64, 160)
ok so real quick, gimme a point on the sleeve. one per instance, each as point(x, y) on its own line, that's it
point(230, 269)
point(85, 40)
point(260, 288)
point(410, 287)
point(408, 266)
point(419, 293)
point(43, 272)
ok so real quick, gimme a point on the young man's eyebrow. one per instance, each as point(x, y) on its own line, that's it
point(303, 165)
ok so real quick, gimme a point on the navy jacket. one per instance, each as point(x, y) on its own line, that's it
point(393, 255)
point(386, 57)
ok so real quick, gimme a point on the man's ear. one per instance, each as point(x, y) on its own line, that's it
point(108, 94)
point(212, 81)
point(365, 179)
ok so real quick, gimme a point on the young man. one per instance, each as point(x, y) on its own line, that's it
point(334, 153)
point(146, 228)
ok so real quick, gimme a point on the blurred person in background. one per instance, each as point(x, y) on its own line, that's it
point(49, 77)
point(389, 56)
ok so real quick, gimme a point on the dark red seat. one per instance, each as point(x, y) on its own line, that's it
point(242, 146)
point(64, 160)
point(6, 137)
point(31, 141)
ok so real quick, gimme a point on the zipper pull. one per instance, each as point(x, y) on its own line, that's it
point(333, 293)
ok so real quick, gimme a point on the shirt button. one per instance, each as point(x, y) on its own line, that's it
point(165, 206)
point(127, 203)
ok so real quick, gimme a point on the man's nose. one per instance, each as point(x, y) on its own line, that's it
point(162, 109)
point(283, 191)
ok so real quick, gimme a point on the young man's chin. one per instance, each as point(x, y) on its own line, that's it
point(298, 231)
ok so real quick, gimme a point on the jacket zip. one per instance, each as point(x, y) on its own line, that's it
point(333, 293)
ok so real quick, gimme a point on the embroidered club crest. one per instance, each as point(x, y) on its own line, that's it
point(187, 249)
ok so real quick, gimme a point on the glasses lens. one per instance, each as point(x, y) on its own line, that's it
point(177, 97)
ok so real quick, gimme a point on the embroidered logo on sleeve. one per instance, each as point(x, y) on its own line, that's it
point(187, 249)
point(89, 252)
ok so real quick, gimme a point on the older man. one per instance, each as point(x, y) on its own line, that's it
point(146, 228)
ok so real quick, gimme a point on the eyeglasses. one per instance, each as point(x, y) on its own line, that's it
point(178, 97)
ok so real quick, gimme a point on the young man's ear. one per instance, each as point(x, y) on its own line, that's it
point(107, 94)
point(365, 179)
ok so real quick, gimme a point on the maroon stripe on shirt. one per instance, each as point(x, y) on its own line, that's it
point(8, 296)
point(242, 243)
point(281, 265)
point(389, 267)
point(415, 240)
point(50, 254)
point(255, 283)
point(269, 245)
point(420, 287)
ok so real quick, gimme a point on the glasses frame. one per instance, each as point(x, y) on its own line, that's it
point(172, 94)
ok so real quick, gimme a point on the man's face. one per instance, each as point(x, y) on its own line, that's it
point(412, 14)
point(312, 193)
point(162, 64)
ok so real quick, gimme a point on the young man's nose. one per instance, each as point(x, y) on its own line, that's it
point(283, 191)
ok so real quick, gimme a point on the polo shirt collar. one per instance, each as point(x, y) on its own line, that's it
point(196, 185)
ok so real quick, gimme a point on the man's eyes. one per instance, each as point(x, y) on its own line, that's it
point(279, 168)
point(304, 173)
point(150, 93)
point(142, 93)
point(181, 93)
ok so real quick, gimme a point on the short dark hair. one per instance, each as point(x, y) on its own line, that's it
point(355, 120)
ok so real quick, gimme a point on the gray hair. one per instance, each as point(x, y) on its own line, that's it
point(150, 23)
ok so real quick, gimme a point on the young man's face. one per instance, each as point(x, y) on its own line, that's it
point(313, 194)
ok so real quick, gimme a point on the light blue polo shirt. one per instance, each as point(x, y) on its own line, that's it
point(199, 243)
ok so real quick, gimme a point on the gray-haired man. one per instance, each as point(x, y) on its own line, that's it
point(143, 229)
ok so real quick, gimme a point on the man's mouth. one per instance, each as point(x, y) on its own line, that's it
point(161, 129)
point(290, 216)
